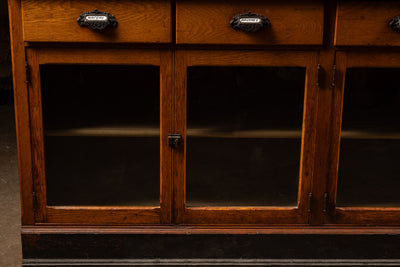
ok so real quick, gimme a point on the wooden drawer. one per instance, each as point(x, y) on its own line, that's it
point(367, 23)
point(56, 21)
point(208, 22)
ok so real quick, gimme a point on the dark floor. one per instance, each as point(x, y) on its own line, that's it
point(10, 222)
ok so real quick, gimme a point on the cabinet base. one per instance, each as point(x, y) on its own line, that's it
point(186, 248)
point(209, 262)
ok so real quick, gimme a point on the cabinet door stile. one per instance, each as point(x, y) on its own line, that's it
point(179, 154)
point(38, 163)
point(338, 90)
point(22, 116)
point(166, 128)
point(324, 113)
point(308, 135)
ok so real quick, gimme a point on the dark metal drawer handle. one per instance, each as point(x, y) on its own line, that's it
point(97, 20)
point(395, 24)
point(250, 22)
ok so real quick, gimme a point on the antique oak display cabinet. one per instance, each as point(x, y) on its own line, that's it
point(220, 132)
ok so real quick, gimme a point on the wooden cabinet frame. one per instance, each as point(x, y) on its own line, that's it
point(172, 208)
point(93, 214)
point(245, 215)
point(376, 216)
point(172, 233)
point(172, 161)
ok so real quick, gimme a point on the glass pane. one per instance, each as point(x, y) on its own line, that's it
point(369, 152)
point(244, 135)
point(101, 134)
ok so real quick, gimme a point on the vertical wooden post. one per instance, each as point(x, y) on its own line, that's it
point(21, 111)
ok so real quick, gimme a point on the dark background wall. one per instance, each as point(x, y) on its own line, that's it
point(5, 56)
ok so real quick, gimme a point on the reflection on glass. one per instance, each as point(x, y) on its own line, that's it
point(101, 134)
point(244, 135)
point(370, 143)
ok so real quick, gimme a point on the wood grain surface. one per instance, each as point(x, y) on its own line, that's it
point(208, 22)
point(103, 215)
point(38, 162)
point(366, 23)
point(21, 101)
point(138, 21)
point(166, 182)
point(323, 115)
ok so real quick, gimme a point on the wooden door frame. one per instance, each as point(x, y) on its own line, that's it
point(356, 216)
point(92, 215)
point(246, 215)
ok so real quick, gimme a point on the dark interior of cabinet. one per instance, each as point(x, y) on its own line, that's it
point(369, 166)
point(101, 134)
point(244, 135)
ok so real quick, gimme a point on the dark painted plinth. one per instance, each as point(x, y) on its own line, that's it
point(211, 249)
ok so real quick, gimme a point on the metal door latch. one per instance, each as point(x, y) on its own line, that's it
point(174, 140)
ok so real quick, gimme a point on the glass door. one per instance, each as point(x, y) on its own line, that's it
point(98, 119)
point(367, 127)
point(247, 122)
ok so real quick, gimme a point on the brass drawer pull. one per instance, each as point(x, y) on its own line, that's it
point(249, 22)
point(97, 20)
point(395, 24)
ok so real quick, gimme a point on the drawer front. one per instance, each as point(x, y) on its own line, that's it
point(56, 21)
point(366, 23)
point(291, 22)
